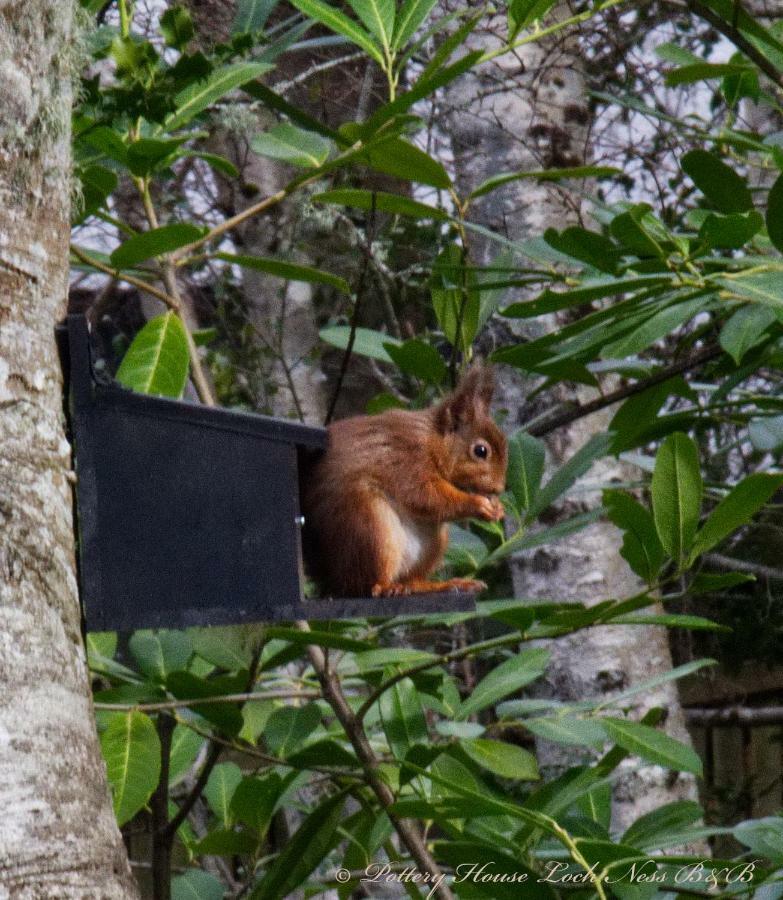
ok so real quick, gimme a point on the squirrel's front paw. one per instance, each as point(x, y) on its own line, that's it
point(489, 508)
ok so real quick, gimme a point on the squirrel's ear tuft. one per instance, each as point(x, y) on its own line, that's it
point(470, 400)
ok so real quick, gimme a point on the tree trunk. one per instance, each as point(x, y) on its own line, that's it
point(58, 837)
point(523, 112)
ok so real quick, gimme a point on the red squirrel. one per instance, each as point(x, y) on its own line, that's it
point(377, 501)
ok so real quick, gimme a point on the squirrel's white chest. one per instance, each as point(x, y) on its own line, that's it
point(410, 541)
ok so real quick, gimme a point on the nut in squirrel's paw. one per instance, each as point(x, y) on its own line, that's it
point(490, 509)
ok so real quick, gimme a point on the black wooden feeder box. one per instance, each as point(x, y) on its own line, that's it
point(189, 515)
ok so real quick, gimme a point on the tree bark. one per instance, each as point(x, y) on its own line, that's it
point(58, 837)
point(522, 112)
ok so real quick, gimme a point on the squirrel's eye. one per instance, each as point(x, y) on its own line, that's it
point(480, 451)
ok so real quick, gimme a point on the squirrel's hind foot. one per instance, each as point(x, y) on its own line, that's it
point(420, 586)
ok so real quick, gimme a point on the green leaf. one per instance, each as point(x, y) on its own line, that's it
point(568, 730)
point(293, 145)
point(761, 287)
point(378, 18)
point(384, 202)
point(158, 653)
point(590, 289)
point(745, 328)
point(288, 271)
point(774, 214)
point(101, 645)
point(702, 71)
point(289, 727)
point(314, 838)
point(97, 183)
point(366, 341)
point(633, 230)
point(223, 781)
point(410, 17)
point(587, 246)
point(316, 637)
point(652, 745)
point(157, 360)
point(186, 686)
point(766, 433)
point(403, 718)
point(401, 159)
point(154, 242)
point(497, 181)
point(654, 329)
point(419, 359)
point(641, 548)
point(255, 798)
point(454, 299)
point(218, 163)
point(185, 746)
point(195, 98)
point(131, 749)
point(176, 26)
point(763, 836)
point(391, 656)
point(659, 823)
point(506, 678)
point(730, 232)
point(225, 842)
point(338, 22)
point(146, 154)
point(494, 874)
point(522, 13)
point(324, 753)
point(251, 15)
point(526, 456)
point(720, 184)
point(670, 620)
point(505, 760)
point(737, 508)
point(676, 494)
point(567, 474)
point(709, 582)
point(227, 647)
point(196, 884)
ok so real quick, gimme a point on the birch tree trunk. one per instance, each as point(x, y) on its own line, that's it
point(528, 111)
point(58, 836)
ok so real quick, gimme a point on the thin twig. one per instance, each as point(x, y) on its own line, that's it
point(355, 313)
point(223, 698)
point(743, 565)
point(567, 416)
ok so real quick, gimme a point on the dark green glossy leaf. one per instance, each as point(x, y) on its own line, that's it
point(289, 271)
point(567, 474)
point(676, 494)
point(419, 359)
point(641, 548)
point(176, 26)
point(401, 159)
point(652, 745)
point(403, 718)
point(730, 232)
point(337, 21)
point(251, 15)
point(761, 287)
point(97, 183)
point(146, 154)
point(377, 17)
point(655, 328)
point(737, 508)
point(774, 214)
point(199, 96)
point(745, 329)
point(587, 246)
point(383, 202)
point(526, 456)
point(703, 71)
point(196, 884)
point(293, 145)
point(505, 760)
point(631, 230)
point(314, 838)
point(568, 730)
point(366, 341)
point(591, 289)
point(410, 17)
point(158, 653)
point(454, 299)
point(186, 686)
point(720, 184)
point(708, 582)
point(289, 727)
point(154, 242)
point(506, 678)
